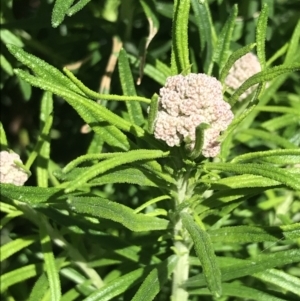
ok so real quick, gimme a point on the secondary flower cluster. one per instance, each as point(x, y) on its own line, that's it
point(242, 69)
point(187, 101)
point(10, 173)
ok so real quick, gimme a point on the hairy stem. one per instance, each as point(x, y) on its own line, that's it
point(181, 271)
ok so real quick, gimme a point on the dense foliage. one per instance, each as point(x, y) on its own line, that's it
point(109, 212)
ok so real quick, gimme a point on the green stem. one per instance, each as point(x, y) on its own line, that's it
point(181, 245)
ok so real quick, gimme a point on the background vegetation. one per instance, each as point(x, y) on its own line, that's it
point(49, 252)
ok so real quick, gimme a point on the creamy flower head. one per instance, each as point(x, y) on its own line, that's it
point(187, 101)
point(242, 69)
point(10, 173)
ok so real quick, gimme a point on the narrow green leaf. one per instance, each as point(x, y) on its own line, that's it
point(284, 153)
point(156, 74)
point(87, 109)
point(285, 281)
point(197, 151)
point(5, 65)
point(120, 174)
point(243, 181)
point(250, 234)
point(221, 51)
point(72, 294)
point(205, 252)
point(103, 208)
point(3, 140)
point(152, 113)
point(133, 107)
point(232, 58)
point(44, 152)
point(50, 265)
point(59, 11)
point(32, 195)
point(16, 245)
point(41, 68)
point(260, 77)
point(40, 288)
point(18, 275)
point(265, 137)
point(100, 96)
point(8, 37)
point(250, 266)
point(103, 166)
point(281, 122)
point(294, 48)
point(180, 50)
point(261, 32)
point(274, 173)
point(125, 175)
point(206, 30)
point(155, 280)
point(118, 286)
point(77, 7)
point(242, 292)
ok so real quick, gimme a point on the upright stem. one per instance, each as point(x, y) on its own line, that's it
point(181, 271)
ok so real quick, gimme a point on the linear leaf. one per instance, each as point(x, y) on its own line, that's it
point(108, 164)
point(247, 234)
point(292, 155)
point(205, 252)
point(103, 208)
point(16, 245)
point(86, 108)
point(32, 195)
point(155, 280)
point(125, 175)
point(18, 275)
point(274, 173)
point(205, 28)
point(281, 279)
point(180, 51)
point(293, 46)
point(250, 266)
point(59, 11)
point(265, 136)
point(41, 68)
point(243, 181)
point(77, 7)
point(222, 49)
point(232, 58)
point(3, 140)
point(100, 96)
point(242, 292)
point(40, 288)
point(133, 107)
point(118, 286)
point(50, 265)
point(260, 77)
point(261, 32)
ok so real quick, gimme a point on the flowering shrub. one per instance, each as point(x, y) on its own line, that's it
point(196, 199)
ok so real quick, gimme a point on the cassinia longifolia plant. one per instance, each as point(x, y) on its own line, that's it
point(180, 238)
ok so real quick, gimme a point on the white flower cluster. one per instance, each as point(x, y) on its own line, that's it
point(241, 70)
point(10, 173)
point(187, 101)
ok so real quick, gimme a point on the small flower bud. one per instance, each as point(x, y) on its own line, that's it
point(242, 69)
point(10, 173)
point(187, 101)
